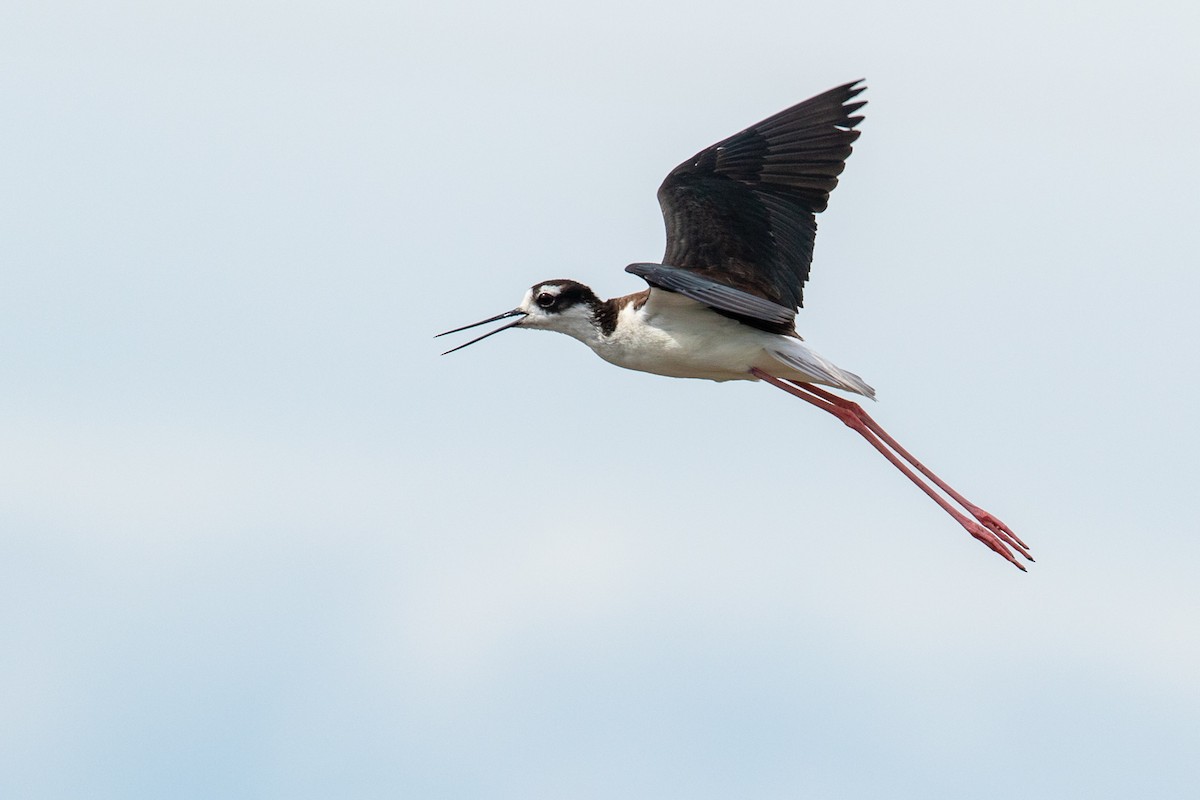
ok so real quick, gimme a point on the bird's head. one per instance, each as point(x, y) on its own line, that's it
point(559, 305)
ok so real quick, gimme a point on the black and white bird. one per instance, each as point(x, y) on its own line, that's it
point(740, 219)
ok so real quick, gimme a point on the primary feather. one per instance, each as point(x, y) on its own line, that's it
point(742, 212)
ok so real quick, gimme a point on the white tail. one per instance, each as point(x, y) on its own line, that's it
point(816, 369)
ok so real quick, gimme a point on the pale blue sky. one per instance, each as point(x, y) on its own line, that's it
point(258, 540)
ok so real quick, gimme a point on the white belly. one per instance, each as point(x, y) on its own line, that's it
point(674, 336)
point(689, 342)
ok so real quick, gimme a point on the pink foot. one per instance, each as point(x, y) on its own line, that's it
point(994, 542)
point(997, 527)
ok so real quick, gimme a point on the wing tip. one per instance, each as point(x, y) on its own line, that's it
point(853, 88)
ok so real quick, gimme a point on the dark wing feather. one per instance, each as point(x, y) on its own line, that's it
point(741, 212)
point(733, 302)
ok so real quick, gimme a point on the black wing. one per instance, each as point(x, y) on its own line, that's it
point(741, 212)
point(741, 305)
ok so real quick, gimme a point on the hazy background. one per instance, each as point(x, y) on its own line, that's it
point(257, 539)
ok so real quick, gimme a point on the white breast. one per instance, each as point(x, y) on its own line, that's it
point(678, 337)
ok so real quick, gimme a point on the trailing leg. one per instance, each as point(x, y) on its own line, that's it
point(854, 417)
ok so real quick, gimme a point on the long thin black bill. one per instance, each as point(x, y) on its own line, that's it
point(505, 315)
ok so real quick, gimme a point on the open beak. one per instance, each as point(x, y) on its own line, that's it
point(515, 312)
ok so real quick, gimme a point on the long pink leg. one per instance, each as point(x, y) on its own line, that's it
point(855, 420)
point(990, 521)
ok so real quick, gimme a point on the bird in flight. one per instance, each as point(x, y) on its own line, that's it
point(740, 219)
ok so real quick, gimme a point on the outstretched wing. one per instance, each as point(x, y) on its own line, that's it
point(733, 302)
point(742, 212)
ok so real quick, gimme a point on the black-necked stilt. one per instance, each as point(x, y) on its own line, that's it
point(722, 306)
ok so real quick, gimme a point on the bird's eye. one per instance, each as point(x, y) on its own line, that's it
point(545, 300)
